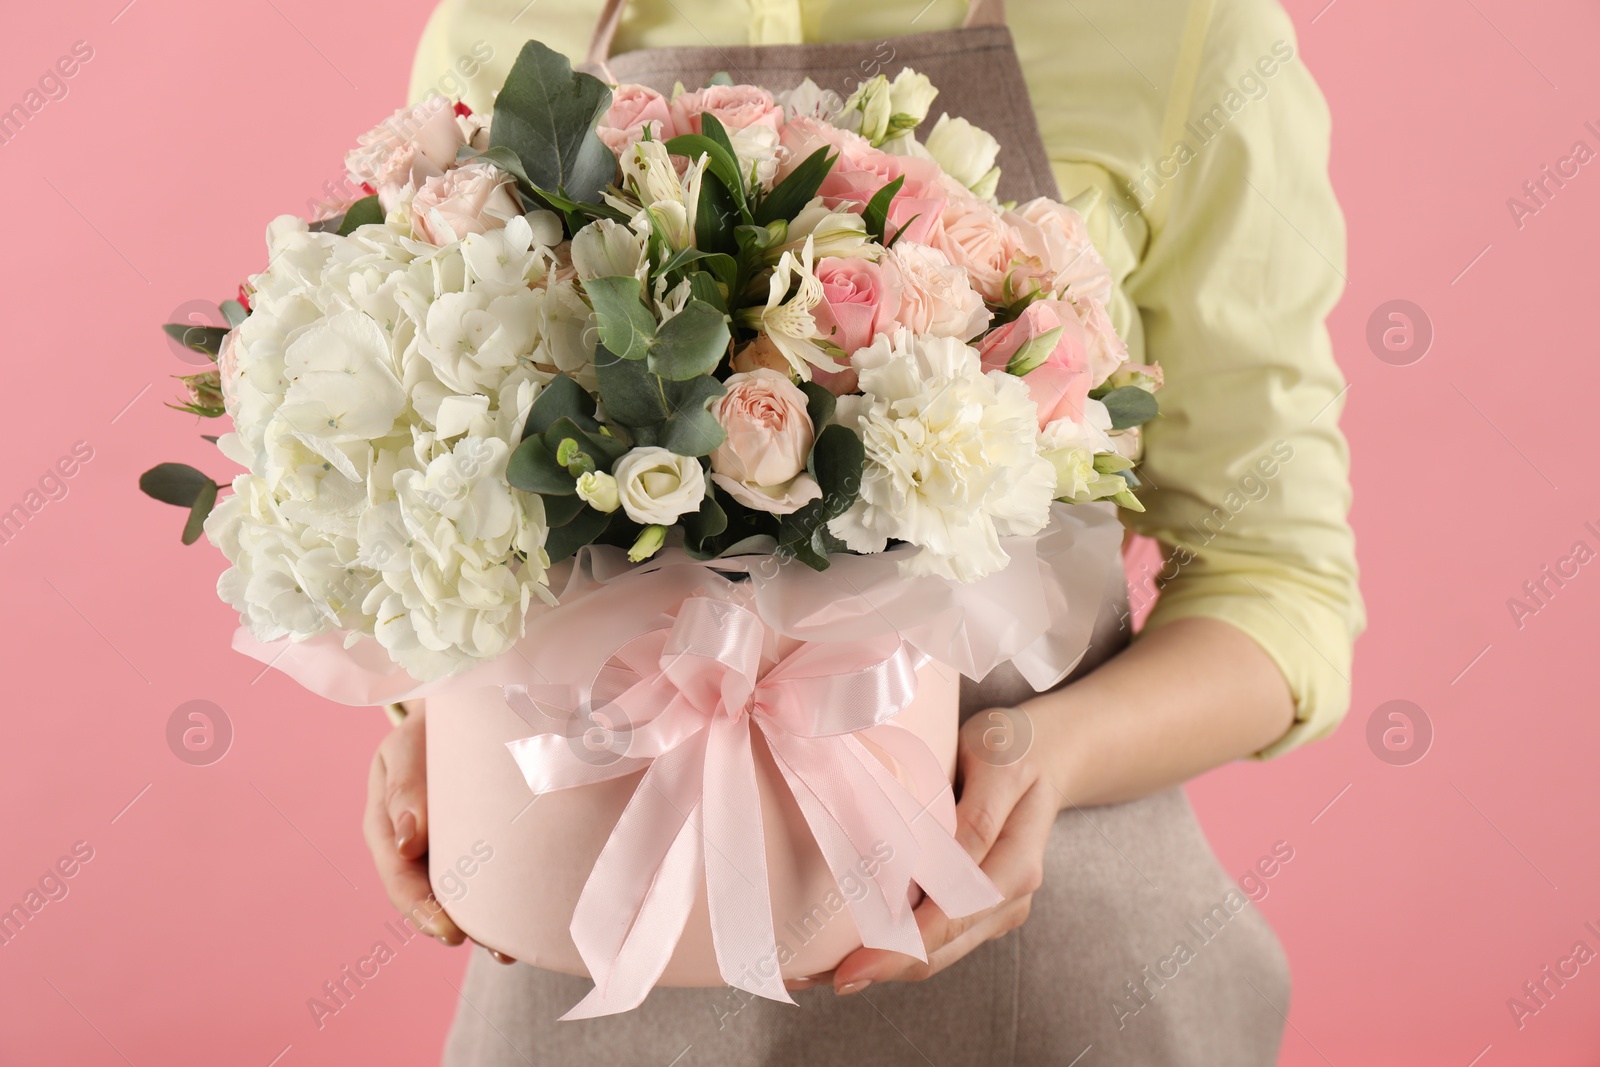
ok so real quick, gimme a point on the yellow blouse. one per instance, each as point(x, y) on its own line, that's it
point(1208, 141)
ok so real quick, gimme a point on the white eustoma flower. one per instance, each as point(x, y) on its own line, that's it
point(952, 457)
point(966, 153)
point(1071, 446)
point(658, 486)
point(911, 94)
point(605, 249)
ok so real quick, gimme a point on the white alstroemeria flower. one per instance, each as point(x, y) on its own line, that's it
point(952, 457)
point(787, 321)
point(666, 201)
point(809, 100)
point(833, 234)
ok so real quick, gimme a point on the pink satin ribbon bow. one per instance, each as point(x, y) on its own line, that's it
point(691, 693)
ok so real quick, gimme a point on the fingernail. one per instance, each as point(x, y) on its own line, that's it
point(405, 829)
point(853, 987)
point(500, 957)
point(445, 941)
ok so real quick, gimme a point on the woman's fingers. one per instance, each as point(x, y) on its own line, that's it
point(404, 877)
point(404, 753)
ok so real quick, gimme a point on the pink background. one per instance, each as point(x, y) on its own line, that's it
point(1420, 897)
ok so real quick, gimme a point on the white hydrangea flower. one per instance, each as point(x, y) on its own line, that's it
point(952, 457)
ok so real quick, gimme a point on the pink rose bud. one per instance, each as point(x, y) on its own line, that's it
point(860, 300)
point(762, 462)
point(1048, 346)
point(634, 109)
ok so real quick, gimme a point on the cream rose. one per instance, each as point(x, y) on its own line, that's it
point(762, 462)
point(473, 198)
point(657, 486)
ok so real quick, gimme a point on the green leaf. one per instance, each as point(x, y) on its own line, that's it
point(820, 403)
point(715, 219)
point(203, 503)
point(545, 114)
point(627, 389)
point(876, 213)
point(1033, 354)
point(836, 462)
point(533, 468)
point(234, 312)
point(1130, 406)
point(364, 212)
point(587, 526)
point(691, 343)
point(175, 483)
point(602, 449)
point(704, 286)
point(626, 326)
point(797, 190)
point(560, 398)
point(722, 164)
point(560, 510)
point(689, 429)
point(204, 339)
point(704, 525)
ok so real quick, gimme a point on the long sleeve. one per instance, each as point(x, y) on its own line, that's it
point(1246, 471)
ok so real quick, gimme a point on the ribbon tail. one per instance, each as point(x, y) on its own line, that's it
point(637, 900)
point(944, 870)
point(737, 887)
point(880, 923)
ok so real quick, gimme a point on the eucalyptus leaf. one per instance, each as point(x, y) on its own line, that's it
point(364, 212)
point(177, 484)
point(533, 468)
point(560, 510)
point(584, 529)
point(203, 503)
point(203, 339)
point(1130, 406)
point(545, 114)
point(689, 429)
point(691, 343)
point(560, 398)
point(627, 327)
point(820, 403)
point(234, 312)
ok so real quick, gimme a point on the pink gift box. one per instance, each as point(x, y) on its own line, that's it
point(543, 848)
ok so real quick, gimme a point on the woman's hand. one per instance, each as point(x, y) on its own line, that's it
point(396, 828)
point(1007, 808)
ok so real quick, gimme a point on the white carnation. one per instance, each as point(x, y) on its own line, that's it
point(952, 457)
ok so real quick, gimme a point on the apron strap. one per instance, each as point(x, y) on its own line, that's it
point(979, 13)
point(604, 30)
point(985, 13)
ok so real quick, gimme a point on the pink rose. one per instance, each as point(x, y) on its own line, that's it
point(860, 300)
point(1059, 385)
point(475, 197)
point(414, 144)
point(862, 170)
point(735, 106)
point(762, 462)
point(975, 236)
point(634, 109)
point(1107, 352)
point(1054, 250)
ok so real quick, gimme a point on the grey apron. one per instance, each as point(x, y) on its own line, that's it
point(1094, 977)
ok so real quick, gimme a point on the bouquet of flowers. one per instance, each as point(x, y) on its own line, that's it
point(732, 321)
